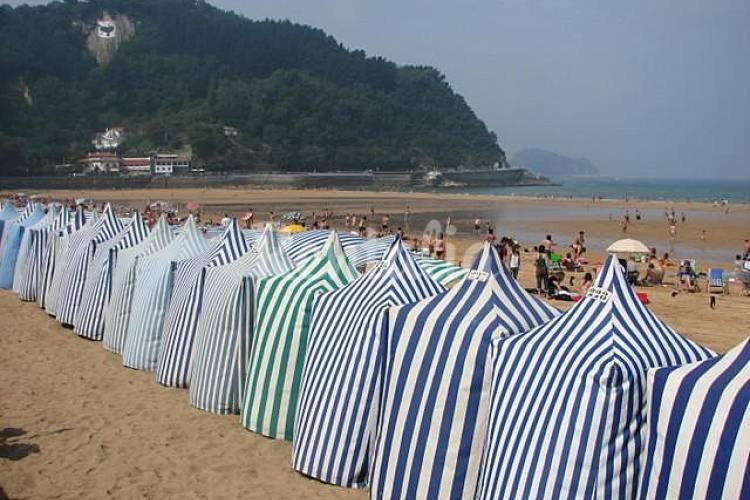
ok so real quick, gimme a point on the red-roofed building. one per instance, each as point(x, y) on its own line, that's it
point(137, 165)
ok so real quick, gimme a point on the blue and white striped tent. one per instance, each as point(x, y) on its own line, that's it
point(568, 400)
point(23, 260)
point(12, 243)
point(20, 215)
point(436, 382)
point(54, 258)
point(117, 312)
point(186, 303)
point(338, 404)
point(301, 246)
point(90, 317)
point(7, 215)
point(224, 334)
point(698, 442)
point(81, 248)
point(369, 251)
point(151, 296)
point(283, 323)
point(32, 277)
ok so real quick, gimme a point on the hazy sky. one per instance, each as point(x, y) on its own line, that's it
point(643, 88)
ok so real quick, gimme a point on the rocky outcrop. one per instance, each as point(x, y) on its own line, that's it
point(106, 36)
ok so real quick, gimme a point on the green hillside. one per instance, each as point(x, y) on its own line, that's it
point(179, 71)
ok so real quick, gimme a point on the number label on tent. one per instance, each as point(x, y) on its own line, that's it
point(478, 275)
point(599, 294)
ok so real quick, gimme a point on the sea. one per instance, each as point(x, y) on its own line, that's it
point(731, 191)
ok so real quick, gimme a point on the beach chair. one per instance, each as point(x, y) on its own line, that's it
point(716, 283)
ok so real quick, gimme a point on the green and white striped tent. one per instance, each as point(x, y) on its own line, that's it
point(445, 273)
point(284, 311)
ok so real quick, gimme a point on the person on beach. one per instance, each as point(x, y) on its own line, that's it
point(271, 217)
point(363, 226)
point(386, 220)
point(490, 237)
point(477, 226)
point(515, 261)
point(637, 214)
point(654, 274)
point(579, 245)
point(225, 220)
point(588, 280)
point(683, 217)
point(624, 223)
point(672, 231)
point(440, 247)
point(548, 243)
point(431, 244)
point(664, 262)
point(541, 270)
point(746, 255)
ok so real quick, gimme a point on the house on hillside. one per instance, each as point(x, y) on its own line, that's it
point(101, 162)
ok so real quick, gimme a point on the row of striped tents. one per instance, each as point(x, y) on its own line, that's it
point(436, 382)
point(54, 259)
point(27, 240)
point(186, 303)
point(568, 399)
point(338, 404)
point(90, 317)
point(151, 296)
point(117, 313)
point(82, 246)
point(224, 334)
point(31, 280)
point(302, 246)
point(284, 309)
point(12, 243)
point(698, 429)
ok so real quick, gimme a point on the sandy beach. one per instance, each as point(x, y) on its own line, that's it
point(74, 423)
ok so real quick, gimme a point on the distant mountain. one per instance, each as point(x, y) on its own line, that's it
point(552, 164)
point(241, 94)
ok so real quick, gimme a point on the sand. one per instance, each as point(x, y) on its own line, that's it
point(74, 423)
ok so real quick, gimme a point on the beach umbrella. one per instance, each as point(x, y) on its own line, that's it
point(13, 241)
point(224, 335)
point(435, 383)
point(74, 272)
point(32, 278)
point(154, 279)
point(338, 403)
point(54, 258)
point(568, 399)
point(698, 433)
point(283, 323)
point(90, 317)
point(185, 305)
point(117, 312)
point(292, 228)
point(292, 216)
point(628, 245)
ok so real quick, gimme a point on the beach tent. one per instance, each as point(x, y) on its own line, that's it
point(90, 317)
point(337, 411)
point(568, 399)
point(54, 259)
point(31, 277)
point(283, 322)
point(25, 249)
point(7, 215)
point(436, 383)
point(301, 246)
point(224, 335)
point(698, 442)
point(20, 215)
point(81, 248)
point(441, 271)
point(151, 296)
point(117, 312)
point(185, 305)
point(369, 251)
point(12, 243)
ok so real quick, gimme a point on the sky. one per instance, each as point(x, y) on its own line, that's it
point(645, 88)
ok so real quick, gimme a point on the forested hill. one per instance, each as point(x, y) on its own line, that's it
point(174, 73)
